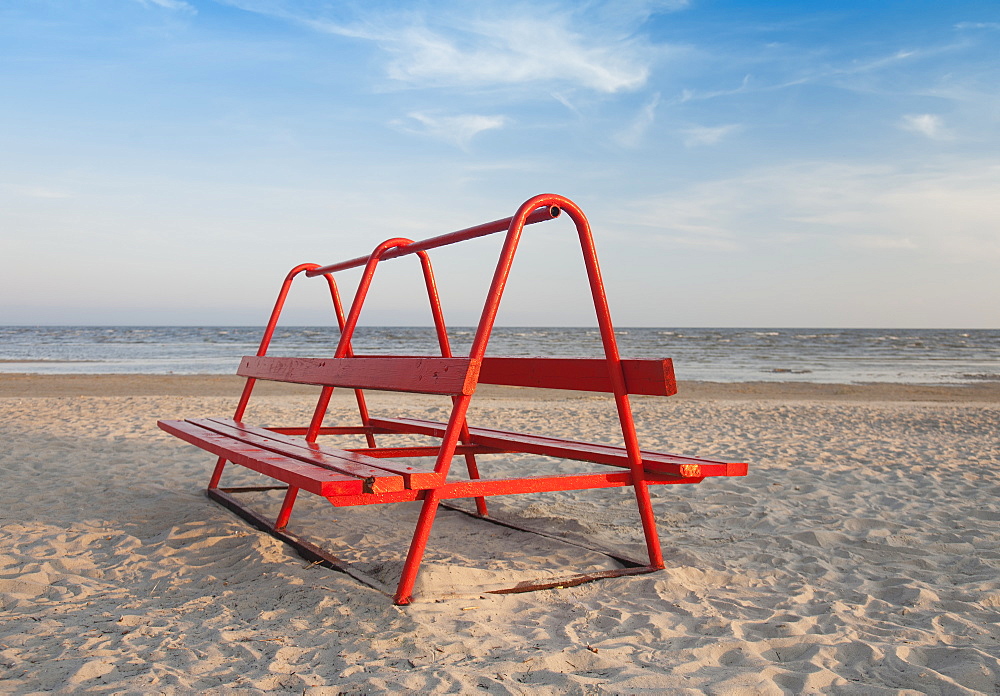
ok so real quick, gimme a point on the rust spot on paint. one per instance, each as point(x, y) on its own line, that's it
point(690, 470)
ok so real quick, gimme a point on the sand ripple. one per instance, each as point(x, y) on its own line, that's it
point(862, 556)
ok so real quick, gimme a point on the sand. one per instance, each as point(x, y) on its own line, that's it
point(860, 556)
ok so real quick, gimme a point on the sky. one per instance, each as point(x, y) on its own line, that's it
point(743, 164)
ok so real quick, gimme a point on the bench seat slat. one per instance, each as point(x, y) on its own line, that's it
point(424, 375)
point(379, 480)
point(656, 462)
point(292, 471)
point(352, 462)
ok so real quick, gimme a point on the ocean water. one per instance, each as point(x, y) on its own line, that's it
point(846, 356)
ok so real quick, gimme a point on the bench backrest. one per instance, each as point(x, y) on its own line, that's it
point(652, 377)
point(389, 373)
point(434, 375)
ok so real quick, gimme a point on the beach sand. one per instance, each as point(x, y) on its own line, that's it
point(860, 556)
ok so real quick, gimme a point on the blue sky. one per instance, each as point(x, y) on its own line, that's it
point(742, 163)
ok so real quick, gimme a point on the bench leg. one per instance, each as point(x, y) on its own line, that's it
point(470, 459)
point(217, 473)
point(648, 524)
point(470, 464)
point(417, 546)
point(286, 508)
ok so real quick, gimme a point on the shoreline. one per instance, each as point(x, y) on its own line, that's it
point(20, 385)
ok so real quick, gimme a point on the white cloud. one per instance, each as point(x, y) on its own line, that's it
point(565, 101)
point(597, 46)
point(41, 192)
point(796, 70)
point(632, 136)
point(947, 211)
point(705, 135)
point(978, 25)
point(516, 50)
point(929, 125)
point(457, 130)
point(170, 5)
point(692, 95)
point(874, 241)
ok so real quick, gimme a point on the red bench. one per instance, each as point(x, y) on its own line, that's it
point(376, 475)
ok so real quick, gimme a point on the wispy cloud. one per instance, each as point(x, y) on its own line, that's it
point(178, 5)
point(41, 192)
point(978, 25)
point(928, 125)
point(696, 95)
point(515, 50)
point(632, 135)
point(875, 64)
point(945, 211)
point(565, 101)
point(708, 135)
point(804, 70)
point(457, 130)
point(597, 46)
point(883, 242)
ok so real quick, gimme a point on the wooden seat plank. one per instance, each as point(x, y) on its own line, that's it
point(296, 473)
point(379, 480)
point(355, 462)
point(657, 462)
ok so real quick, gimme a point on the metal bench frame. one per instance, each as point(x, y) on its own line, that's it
point(373, 476)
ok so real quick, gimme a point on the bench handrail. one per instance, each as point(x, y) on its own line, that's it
point(540, 215)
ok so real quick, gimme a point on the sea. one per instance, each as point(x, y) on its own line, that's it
point(842, 356)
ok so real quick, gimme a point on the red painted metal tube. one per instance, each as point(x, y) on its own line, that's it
point(442, 334)
point(537, 209)
point(456, 425)
point(422, 451)
point(331, 430)
point(338, 308)
point(617, 376)
point(265, 340)
point(428, 510)
point(502, 272)
point(272, 323)
point(350, 324)
point(608, 339)
point(540, 215)
point(384, 249)
point(491, 487)
point(286, 508)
